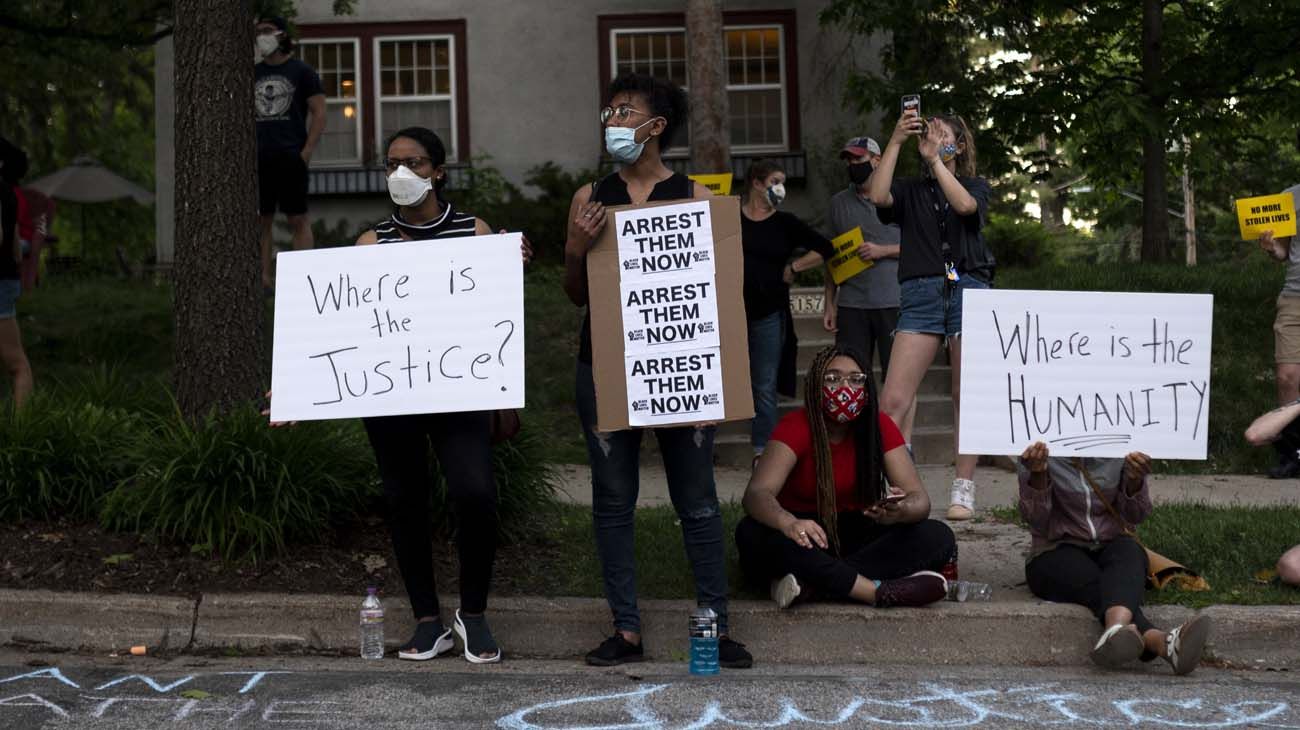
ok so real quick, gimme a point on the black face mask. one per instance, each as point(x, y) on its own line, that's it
point(860, 171)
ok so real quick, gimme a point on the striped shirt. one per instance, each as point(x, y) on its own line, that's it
point(451, 224)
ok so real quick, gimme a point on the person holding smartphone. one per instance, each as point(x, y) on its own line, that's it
point(942, 254)
point(835, 506)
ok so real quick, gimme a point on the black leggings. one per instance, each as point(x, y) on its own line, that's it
point(1115, 575)
point(462, 444)
point(876, 552)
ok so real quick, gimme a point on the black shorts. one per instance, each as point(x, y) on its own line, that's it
point(282, 182)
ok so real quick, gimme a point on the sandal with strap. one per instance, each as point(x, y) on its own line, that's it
point(476, 638)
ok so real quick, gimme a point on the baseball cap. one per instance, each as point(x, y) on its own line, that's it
point(859, 146)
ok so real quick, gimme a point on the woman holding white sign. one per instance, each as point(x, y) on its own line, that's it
point(822, 519)
point(462, 442)
point(1080, 512)
point(942, 254)
point(770, 238)
point(642, 115)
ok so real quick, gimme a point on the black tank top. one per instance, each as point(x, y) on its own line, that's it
point(451, 224)
point(612, 190)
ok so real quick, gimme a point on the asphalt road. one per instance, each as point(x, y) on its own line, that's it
point(67, 691)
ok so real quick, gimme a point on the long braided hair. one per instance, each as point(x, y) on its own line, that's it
point(869, 477)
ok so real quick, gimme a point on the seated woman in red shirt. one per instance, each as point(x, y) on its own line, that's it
point(835, 505)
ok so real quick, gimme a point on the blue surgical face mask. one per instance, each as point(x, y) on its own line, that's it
point(947, 152)
point(621, 143)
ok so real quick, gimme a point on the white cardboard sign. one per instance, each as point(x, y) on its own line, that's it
point(399, 328)
point(670, 315)
point(1087, 373)
point(671, 388)
point(664, 242)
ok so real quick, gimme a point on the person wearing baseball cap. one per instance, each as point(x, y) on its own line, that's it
point(862, 311)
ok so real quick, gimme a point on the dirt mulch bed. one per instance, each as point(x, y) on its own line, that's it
point(68, 556)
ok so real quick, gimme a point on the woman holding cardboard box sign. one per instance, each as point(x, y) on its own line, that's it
point(462, 442)
point(770, 238)
point(822, 519)
point(942, 254)
point(639, 122)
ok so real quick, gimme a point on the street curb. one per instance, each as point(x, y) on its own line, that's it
point(49, 620)
point(1022, 633)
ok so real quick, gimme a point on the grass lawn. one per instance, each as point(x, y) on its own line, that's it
point(1226, 545)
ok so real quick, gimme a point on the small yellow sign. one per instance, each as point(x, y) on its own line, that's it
point(718, 184)
point(846, 263)
point(1274, 213)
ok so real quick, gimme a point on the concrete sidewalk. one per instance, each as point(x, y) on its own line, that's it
point(996, 487)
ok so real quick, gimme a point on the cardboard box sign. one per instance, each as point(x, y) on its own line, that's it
point(669, 339)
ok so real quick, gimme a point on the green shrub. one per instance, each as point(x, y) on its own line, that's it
point(240, 488)
point(1014, 243)
point(61, 458)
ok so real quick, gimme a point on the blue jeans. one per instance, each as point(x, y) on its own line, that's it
point(766, 336)
point(615, 480)
point(931, 305)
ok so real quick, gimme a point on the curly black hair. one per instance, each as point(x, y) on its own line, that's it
point(665, 98)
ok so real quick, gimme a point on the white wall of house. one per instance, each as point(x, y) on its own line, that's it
point(534, 72)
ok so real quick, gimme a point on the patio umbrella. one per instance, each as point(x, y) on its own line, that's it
point(87, 181)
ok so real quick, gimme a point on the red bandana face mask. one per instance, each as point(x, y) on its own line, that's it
point(843, 404)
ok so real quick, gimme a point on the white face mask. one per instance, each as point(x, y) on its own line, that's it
point(776, 194)
point(267, 44)
point(406, 188)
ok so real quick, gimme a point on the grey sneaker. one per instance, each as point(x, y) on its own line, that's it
point(1117, 646)
point(1183, 645)
point(961, 500)
point(785, 590)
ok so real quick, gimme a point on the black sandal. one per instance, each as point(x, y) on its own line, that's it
point(430, 640)
point(476, 638)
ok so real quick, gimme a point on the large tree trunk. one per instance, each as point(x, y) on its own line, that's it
point(217, 285)
point(710, 148)
point(1155, 198)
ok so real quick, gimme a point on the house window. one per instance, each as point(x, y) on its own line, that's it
point(756, 77)
point(415, 79)
point(336, 62)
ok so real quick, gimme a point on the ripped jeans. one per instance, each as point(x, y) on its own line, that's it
point(615, 480)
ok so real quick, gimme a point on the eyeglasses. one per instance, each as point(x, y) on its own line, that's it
point(392, 163)
point(835, 379)
point(622, 111)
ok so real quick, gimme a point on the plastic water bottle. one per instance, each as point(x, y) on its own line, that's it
point(704, 641)
point(372, 626)
point(966, 590)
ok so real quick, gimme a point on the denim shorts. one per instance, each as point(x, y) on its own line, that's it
point(9, 291)
point(929, 305)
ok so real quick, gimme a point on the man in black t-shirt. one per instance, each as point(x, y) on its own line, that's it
point(284, 90)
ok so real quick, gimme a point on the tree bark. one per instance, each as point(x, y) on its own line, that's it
point(707, 74)
point(1155, 196)
point(218, 304)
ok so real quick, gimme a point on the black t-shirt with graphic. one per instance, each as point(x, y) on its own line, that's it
point(280, 95)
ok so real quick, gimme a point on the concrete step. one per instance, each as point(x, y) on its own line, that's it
point(810, 346)
point(931, 410)
point(931, 445)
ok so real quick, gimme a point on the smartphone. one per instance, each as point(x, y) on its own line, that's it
point(912, 103)
point(891, 498)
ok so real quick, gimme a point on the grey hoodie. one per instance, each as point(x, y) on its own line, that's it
point(1067, 510)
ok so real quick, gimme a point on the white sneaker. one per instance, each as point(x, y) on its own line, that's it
point(961, 500)
point(785, 590)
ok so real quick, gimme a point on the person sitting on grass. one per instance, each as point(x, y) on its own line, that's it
point(835, 505)
point(1281, 427)
point(1079, 512)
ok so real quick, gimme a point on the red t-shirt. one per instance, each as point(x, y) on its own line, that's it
point(800, 491)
